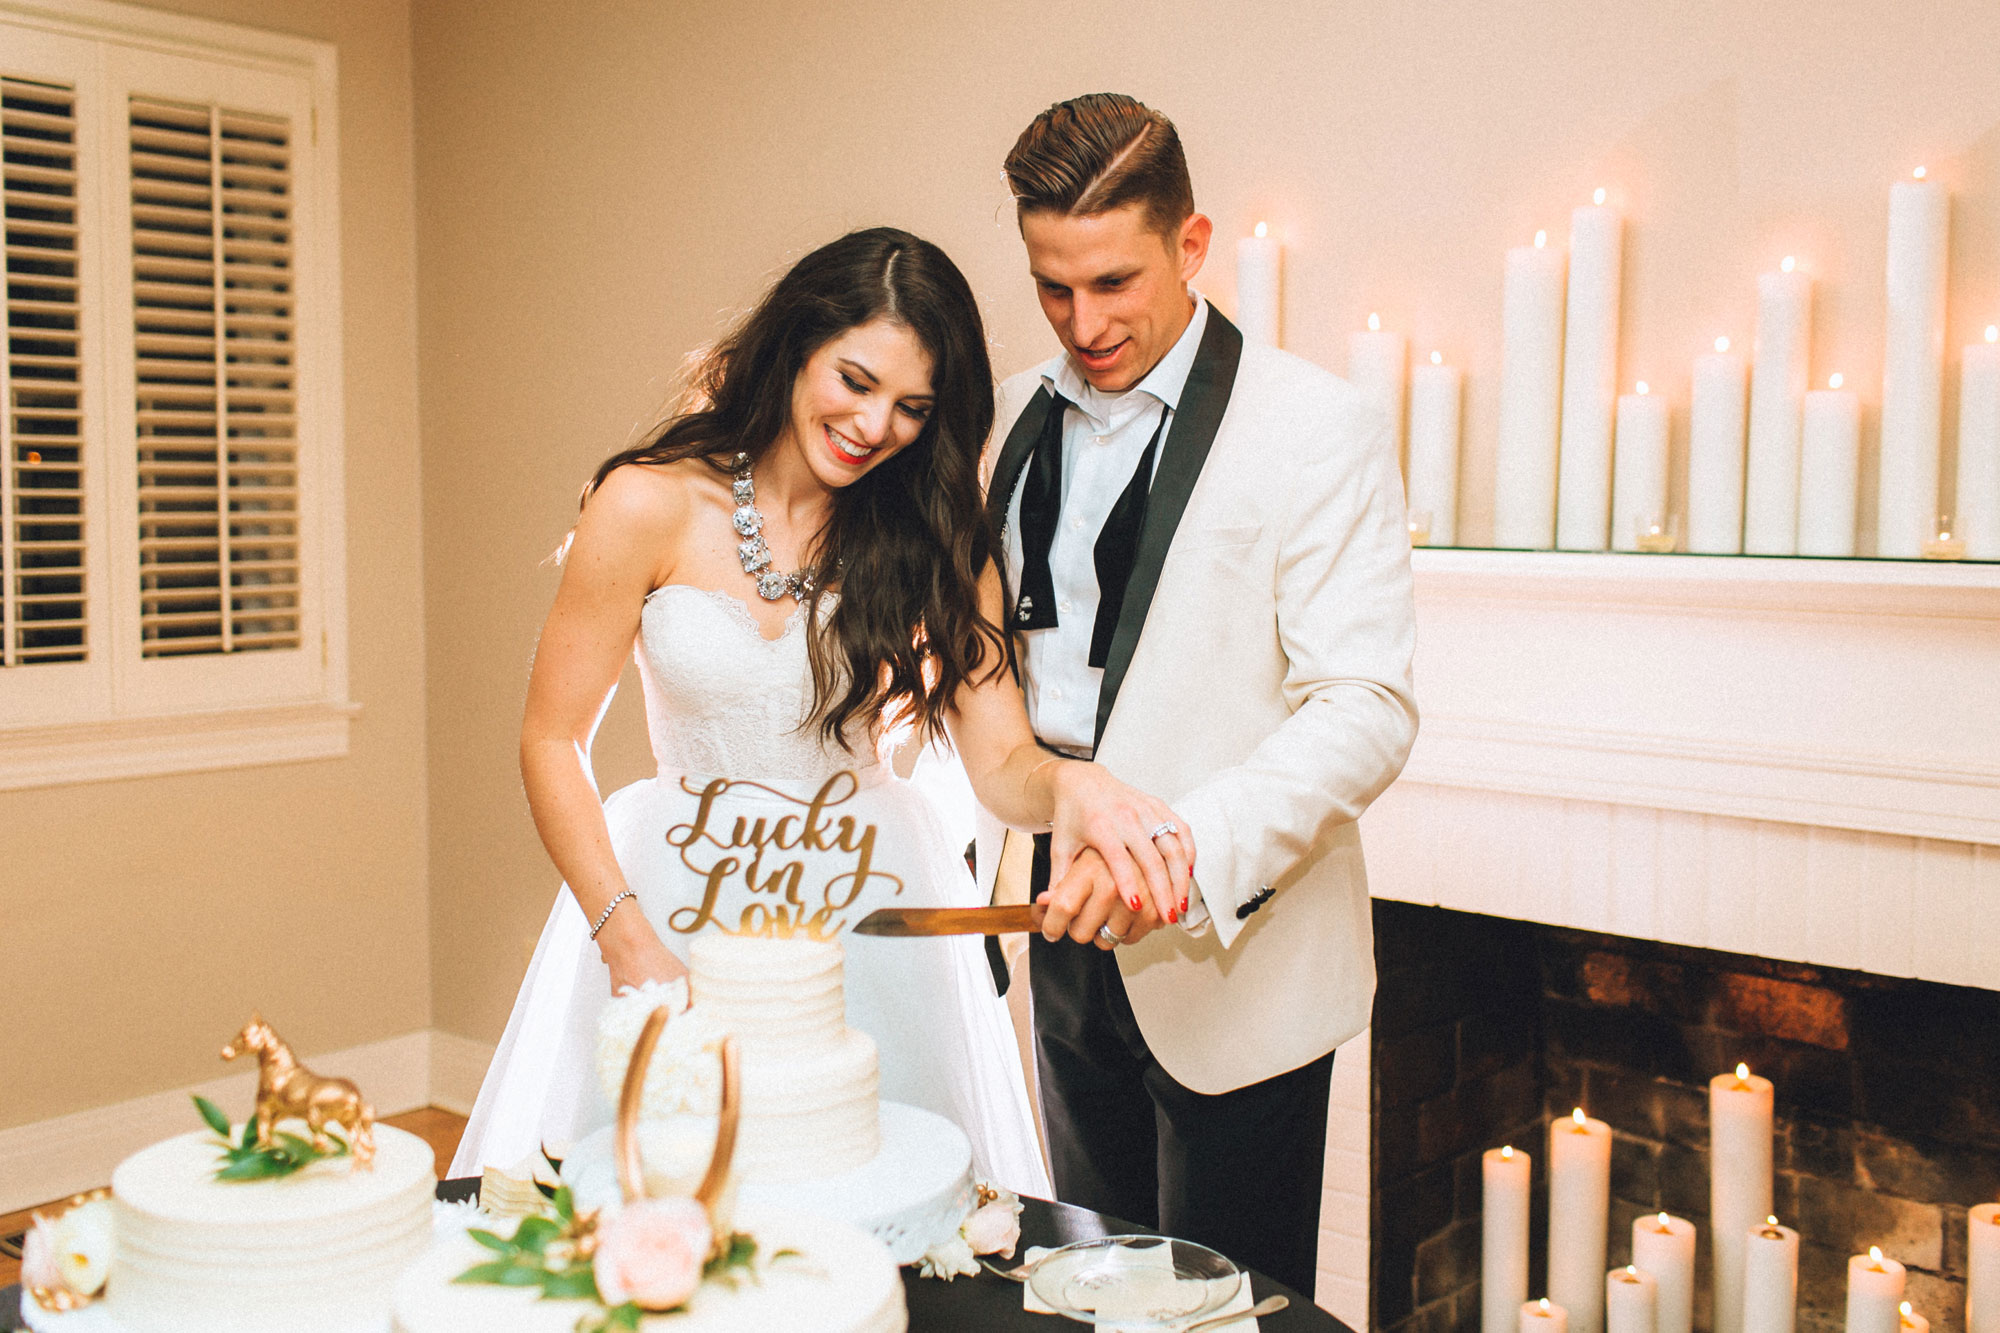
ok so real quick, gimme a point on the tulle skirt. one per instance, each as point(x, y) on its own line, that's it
point(777, 856)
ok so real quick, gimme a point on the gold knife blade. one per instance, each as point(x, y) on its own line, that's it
point(910, 922)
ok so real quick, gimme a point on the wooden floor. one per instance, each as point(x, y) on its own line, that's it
point(440, 1129)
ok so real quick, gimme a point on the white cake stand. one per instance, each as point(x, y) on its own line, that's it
point(913, 1194)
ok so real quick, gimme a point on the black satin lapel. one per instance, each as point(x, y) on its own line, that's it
point(1014, 453)
point(1203, 402)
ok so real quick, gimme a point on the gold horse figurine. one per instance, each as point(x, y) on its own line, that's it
point(287, 1088)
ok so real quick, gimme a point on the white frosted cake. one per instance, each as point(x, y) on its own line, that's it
point(841, 1281)
point(314, 1252)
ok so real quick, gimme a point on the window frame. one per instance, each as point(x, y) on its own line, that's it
point(119, 714)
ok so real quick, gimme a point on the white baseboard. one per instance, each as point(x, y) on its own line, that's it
point(50, 1159)
point(458, 1067)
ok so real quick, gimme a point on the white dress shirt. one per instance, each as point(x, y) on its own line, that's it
point(1103, 438)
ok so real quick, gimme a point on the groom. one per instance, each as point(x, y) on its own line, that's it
point(1207, 546)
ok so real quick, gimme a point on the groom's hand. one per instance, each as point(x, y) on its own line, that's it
point(1088, 899)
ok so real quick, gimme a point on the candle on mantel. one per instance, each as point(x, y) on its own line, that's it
point(1579, 1216)
point(1770, 1279)
point(1524, 490)
point(1739, 1181)
point(1543, 1316)
point(1829, 470)
point(1777, 386)
point(1376, 360)
point(1590, 382)
point(1639, 493)
point(1259, 266)
point(1910, 1321)
point(1979, 448)
point(1435, 390)
point(1664, 1247)
point(1631, 1299)
point(1715, 452)
point(1874, 1290)
point(1912, 366)
point(1503, 1238)
point(1982, 1269)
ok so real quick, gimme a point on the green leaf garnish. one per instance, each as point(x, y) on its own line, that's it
point(571, 1284)
point(212, 1115)
point(535, 1233)
point(491, 1241)
point(487, 1272)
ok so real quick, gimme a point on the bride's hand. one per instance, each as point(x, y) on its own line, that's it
point(635, 954)
point(1096, 810)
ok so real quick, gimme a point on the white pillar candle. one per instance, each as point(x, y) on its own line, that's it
point(1739, 1183)
point(1664, 1247)
point(1976, 517)
point(1874, 1290)
point(1777, 386)
point(1524, 491)
point(1829, 470)
point(1912, 367)
point(1982, 1269)
point(1376, 365)
point(1435, 390)
point(1590, 383)
point(1910, 1321)
point(1639, 495)
point(1503, 1238)
point(1259, 270)
point(1631, 1299)
point(1579, 1217)
point(1770, 1279)
point(1543, 1316)
point(1716, 415)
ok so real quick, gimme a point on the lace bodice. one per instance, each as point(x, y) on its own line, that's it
point(722, 700)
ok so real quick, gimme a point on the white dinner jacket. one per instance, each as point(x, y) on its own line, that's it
point(1268, 700)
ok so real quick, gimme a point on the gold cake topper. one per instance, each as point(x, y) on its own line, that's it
point(286, 1088)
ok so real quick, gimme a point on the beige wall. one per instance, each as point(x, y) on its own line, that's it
point(602, 184)
point(141, 921)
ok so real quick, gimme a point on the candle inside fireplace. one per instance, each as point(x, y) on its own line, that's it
point(1771, 1279)
point(1664, 1247)
point(1543, 1316)
point(1631, 1300)
point(1739, 1186)
point(1874, 1290)
point(1503, 1253)
point(1982, 1285)
point(1579, 1217)
point(1912, 1322)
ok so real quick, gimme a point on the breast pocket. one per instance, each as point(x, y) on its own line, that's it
point(1215, 539)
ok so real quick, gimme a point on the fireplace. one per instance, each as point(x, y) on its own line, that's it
point(1888, 1101)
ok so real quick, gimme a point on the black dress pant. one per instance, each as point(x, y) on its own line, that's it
point(1236, 1171)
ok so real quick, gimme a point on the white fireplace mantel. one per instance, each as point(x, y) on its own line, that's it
point(1851, 694)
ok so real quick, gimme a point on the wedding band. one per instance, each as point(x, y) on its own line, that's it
point(1165, 827)
point(1104, 933)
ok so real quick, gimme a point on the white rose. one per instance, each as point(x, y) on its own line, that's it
point(947, 1259)
point(83, 1240)
point(38, 1256)
point(685, 1076)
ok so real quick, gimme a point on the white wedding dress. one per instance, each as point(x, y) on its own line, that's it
point(840, 835)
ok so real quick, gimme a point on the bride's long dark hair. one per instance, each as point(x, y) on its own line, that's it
point(907, 541)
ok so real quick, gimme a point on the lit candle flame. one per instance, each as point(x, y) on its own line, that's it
point(1742, 1073)
point(1722, 344)
point(1666, 1223)
point(1833, 381)
point(1632, 1270)
point(1508, 1152)
point(1993, 333)
point(1875, 1255)
point(1919, 173)
point(1437, 358)
point(1905, 1308)
point(1789, 264)
point(1541, 239)
point(1577, 1116)
point(1645, 387)
point(1771, 1221)
point(1374, 323)
point(1544, 1304)
point(1598, 197)
point(1263, 229)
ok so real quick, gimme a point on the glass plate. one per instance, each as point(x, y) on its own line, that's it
point(1135, 1282)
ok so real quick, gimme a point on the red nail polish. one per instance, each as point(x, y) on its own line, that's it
point(1183, 907)
point(1133, 903)
point(1173, 916)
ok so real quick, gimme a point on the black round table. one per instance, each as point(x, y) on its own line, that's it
point(970, 1304)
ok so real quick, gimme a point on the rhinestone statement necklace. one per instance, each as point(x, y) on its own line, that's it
point(752, 551)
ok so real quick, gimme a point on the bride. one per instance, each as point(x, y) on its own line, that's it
point(802, 565)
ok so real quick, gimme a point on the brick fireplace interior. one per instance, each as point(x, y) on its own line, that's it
point(1887, 1102)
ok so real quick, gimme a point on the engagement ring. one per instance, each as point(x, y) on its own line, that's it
point(1104, 933)
point(1163, 829)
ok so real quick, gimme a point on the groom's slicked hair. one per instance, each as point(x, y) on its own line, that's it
point(1098, 152)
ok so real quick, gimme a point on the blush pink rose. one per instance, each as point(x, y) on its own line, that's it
point(994, 1228)
point(652, 1253)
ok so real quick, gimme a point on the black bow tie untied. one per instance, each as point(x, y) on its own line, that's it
point(1117, 545)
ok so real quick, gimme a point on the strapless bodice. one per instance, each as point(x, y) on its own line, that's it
point(722, 700)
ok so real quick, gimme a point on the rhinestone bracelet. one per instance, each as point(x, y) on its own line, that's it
point(609, 908)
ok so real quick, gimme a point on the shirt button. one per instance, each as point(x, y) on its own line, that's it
point(1097, 439)
point(1064, 605)
point(1055, 694)
point(1076, 525)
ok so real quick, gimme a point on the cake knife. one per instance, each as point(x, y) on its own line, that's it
point(906, 922)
